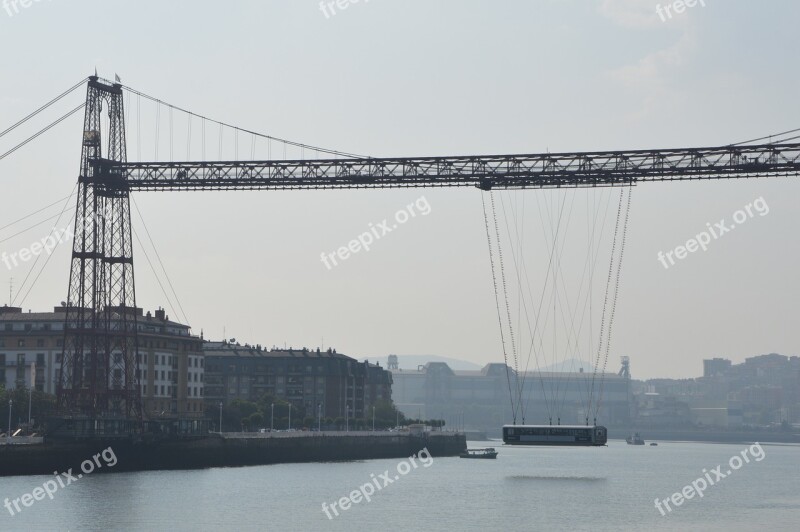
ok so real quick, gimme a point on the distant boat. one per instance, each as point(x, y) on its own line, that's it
point(635, 439)
point(488, 453)
point(653, 444)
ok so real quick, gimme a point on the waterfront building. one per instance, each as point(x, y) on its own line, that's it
point(171, 365)
point(479, 399)
point(323, 382)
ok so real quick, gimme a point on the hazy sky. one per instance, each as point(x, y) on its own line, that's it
point(414, 77)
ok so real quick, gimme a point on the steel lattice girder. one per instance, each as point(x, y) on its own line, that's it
point(591, 169)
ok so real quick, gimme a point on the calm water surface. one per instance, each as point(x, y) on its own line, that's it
point(609, 488)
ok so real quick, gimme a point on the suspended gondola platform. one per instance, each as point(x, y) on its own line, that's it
point(558, 435)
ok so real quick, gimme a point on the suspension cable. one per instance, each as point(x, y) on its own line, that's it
point(248, 131)
point(768, 137)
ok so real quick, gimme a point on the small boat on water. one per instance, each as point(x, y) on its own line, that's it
point(635, 439)
point(488, 452)
point(653, 444)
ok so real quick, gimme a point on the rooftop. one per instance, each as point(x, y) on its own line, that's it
point(497, 369)
point(228, 349)
point(15, 314)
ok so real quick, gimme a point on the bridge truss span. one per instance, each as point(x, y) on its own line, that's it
point(550, 170)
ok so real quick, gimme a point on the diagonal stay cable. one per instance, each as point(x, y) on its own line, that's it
point(49, 256)
point(42, 131)
point(158, 256)
point(57, 202)
point(34, 226)
point(42, 108)
point(155, 272)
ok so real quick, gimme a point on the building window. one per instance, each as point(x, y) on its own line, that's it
point(20, 343)
point(40, 359)
point(39, 343)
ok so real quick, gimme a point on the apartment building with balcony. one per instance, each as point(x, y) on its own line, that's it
point(170, 359)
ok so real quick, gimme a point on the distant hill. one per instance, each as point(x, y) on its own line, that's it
point(569, 366)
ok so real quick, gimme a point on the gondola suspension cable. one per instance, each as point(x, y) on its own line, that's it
point(538, 315)
point(527, 315)
point(520, 266)
point(605, 301)
point(505, 294)
point(497, 305)
point(614, 301)
point(573, 344)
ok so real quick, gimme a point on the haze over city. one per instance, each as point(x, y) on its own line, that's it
point(418, 78)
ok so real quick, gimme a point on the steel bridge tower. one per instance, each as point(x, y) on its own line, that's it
point(98, 388)
point(98, 383)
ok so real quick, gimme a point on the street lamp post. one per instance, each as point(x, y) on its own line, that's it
point(30, 394)
point(373, 418)
point(272, 417)
point(10, 402)
point(346, 419)
point(319, 417)
point(220, 416)
point(290, 416)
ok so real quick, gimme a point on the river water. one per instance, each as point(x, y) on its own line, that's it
point(611, 488)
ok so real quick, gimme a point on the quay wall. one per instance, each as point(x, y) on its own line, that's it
point(225, 450)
